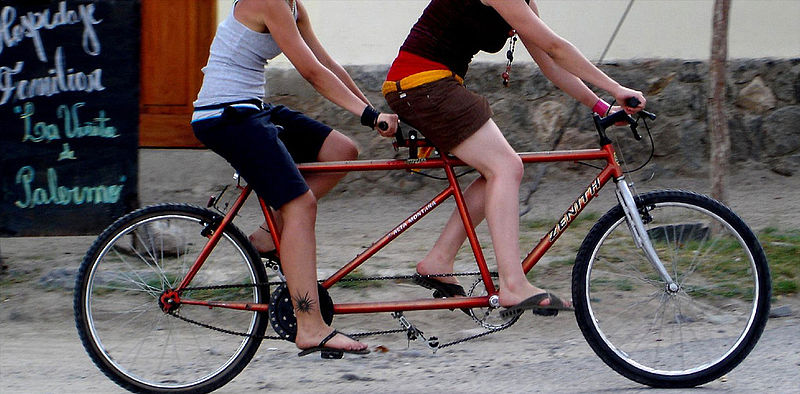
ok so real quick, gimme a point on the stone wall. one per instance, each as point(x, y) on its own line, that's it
point(763, 108)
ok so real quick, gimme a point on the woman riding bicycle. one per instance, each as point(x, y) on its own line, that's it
point(263, 142)
point(425, 87)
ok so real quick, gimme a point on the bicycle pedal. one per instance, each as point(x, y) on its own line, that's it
point(545, 312)
point(331, 354)
point(509, 314)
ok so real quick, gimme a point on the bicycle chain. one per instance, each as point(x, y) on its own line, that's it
point(222, 330)
point(476, 336)
point(355, 335)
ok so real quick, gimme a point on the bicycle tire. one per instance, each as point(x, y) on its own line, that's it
point(116, 301)
point(666, 339)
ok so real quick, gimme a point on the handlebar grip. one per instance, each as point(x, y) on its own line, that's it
point(634, 102)
point(383, 125)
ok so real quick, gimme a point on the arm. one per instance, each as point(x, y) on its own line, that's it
point(277, 17)
point(306, 31)
point(557, 57)
point(560, 77)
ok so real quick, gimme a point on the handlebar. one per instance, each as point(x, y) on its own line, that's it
point(412, 142)
point(602, 123)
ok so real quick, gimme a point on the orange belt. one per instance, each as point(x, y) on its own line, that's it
point(418, 79)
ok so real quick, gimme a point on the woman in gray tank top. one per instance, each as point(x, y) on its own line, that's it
point(263, 142)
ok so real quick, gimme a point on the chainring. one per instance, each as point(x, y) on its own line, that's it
point(487, 317)
point(281, 311)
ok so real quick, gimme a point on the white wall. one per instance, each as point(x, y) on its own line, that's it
point(371, 31)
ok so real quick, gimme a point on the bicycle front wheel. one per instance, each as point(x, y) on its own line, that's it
point(118, 310)
point(666, 337)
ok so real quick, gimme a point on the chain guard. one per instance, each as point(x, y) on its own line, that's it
point(281, 311)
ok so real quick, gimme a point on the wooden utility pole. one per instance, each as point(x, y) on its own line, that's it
point(717, 119)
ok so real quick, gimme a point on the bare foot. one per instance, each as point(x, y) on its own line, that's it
point(509, 299)
point(339, 341)
point(262, 240)
point(426, 267)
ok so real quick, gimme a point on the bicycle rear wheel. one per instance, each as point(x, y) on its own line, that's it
point(120, 320)
point(665, 338)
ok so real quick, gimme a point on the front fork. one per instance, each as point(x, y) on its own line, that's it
point(639, 233)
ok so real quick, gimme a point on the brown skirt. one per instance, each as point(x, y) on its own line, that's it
point(444, 111)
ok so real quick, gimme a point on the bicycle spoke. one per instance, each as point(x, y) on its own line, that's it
point(676, 335)
point(140, 345)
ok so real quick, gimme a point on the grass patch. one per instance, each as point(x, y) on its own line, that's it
point(539, 224)
point(18, 276)
point(547, 224)
point(565, 262)
point(782, 249)
point(784, 287)
point(587, 217)
point(358, 281)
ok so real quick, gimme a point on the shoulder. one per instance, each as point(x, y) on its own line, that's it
point(263, 8)
point(257, 13)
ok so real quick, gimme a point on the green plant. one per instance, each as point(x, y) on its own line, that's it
point(357, 280)
point(782, 249)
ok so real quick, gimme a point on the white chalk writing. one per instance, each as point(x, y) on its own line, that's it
point(13, 32)
point(59, 80)
point(55, 194)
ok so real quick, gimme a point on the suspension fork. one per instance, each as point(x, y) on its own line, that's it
point(639, 233)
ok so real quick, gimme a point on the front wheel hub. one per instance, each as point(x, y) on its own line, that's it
point(673, 288)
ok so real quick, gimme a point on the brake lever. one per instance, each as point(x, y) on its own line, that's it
point(634, 125)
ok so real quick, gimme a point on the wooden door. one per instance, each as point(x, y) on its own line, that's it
point(176, 36)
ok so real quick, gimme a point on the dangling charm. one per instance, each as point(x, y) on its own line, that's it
point(512, 43)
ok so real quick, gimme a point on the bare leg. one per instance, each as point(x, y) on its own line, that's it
point(300, 268)
point(441, 258)
point(489, 153)
point(337, 147)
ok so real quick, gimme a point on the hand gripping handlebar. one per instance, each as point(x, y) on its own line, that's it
point(602, 123)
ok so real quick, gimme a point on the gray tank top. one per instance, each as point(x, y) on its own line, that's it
point(235, 69)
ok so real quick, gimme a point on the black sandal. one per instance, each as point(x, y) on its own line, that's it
point(441, 289)
point(533, 302)
point(329, 352)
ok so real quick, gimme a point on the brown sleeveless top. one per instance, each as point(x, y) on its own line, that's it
point(452, 32)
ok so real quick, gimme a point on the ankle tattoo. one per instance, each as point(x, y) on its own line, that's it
point(303, 304)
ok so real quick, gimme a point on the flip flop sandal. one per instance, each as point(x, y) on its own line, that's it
point(441, 289)
point(532, 303)
point(330, 352)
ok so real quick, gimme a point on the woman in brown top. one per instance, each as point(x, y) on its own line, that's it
point(425, 88)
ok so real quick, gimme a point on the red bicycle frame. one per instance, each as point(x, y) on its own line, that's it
point(612, 170)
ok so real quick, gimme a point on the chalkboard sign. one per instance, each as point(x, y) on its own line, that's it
point(69, 99)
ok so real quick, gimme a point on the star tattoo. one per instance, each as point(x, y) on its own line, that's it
point(303, 304)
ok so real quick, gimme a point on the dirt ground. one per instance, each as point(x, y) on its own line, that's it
point(40, 351)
